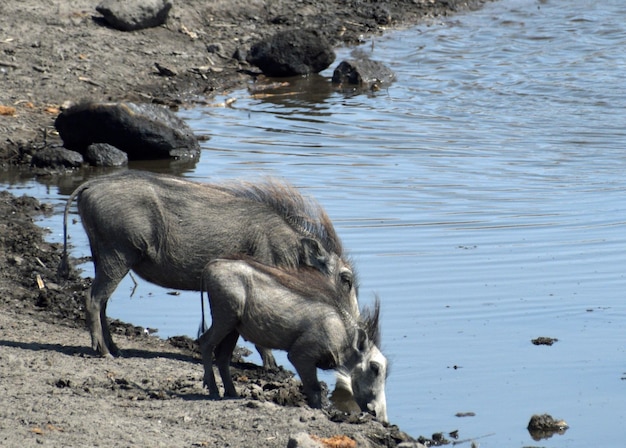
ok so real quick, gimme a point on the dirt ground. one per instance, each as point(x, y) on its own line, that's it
point(53, 390)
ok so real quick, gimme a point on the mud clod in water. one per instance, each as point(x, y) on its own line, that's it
point(545, 426)
point(542, 340)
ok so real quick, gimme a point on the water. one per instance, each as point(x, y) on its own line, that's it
point(481, 196)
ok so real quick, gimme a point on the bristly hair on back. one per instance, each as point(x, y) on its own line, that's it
point(304, 280)
point(302, 213)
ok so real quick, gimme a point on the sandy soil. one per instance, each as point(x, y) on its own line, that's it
point(53, 390)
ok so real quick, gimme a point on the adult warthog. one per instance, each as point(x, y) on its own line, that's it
point(166, 229)
point(299, 311)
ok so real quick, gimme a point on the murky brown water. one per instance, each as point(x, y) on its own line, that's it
point(482, 196)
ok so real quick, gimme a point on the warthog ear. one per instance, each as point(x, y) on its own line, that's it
point(315, 255)
point(361, 340)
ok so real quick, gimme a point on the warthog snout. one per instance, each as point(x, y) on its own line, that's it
point(368, 384)
point(379, 408)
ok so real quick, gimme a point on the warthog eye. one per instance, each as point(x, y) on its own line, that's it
point(375, 368)
point(347, 278)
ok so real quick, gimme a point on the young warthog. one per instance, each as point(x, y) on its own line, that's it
point(166, 229)
point(301, 312)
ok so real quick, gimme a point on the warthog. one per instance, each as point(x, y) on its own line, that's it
point(166, 229)
point(301, 312)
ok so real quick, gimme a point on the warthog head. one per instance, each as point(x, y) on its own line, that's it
point(366, 381)
point(335, 268)
point(368, 384)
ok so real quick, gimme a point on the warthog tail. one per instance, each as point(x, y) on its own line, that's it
point(203, 326)
point(63, 271)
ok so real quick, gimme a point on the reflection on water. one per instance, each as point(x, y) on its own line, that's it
point(481, 195)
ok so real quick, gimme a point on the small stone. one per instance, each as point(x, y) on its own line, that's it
point(57, 157)
point(103, 154)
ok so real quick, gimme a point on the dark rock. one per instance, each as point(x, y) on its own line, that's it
point(132, 15)
point(292, 53)
point(382, 15)
point(143, 131)
point(215, 48)
point(378, 13)
point(57, 157)
point(363, 73)
point(103, 154)
point(545, 426)
point(542, 340)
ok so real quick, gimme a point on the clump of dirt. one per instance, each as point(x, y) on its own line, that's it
point(544, 426)
point(543, 340)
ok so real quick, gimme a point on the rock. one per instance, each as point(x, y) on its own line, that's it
point(336, 441)
point(103, 154)
point(545, 426)
point(542, 340)
point(7, 111)
point(142, 131)
point(292, 53)
point(363, 73)
point(215, 48)
point(303, 440)
point(132, 15)
point(57, 157)
point(382, 15)
point(410, 445)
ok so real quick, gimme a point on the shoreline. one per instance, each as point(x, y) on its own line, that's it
point(53, 55)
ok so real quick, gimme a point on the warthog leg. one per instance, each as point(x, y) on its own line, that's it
point(106, 332)
point(269, 362)
point(308, 374)
point(95, 308)
point(223, 355)
point(221, 338)
point(207, 348)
